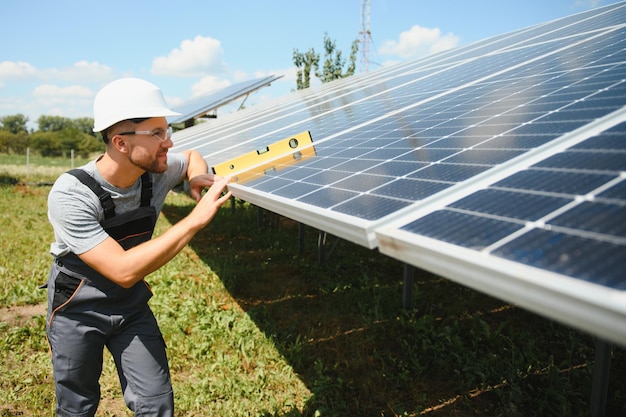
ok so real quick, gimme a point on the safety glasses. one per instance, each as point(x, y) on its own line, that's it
point(160, 134)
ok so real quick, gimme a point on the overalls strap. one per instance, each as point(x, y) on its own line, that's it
point(105, 197)
point(146, 190)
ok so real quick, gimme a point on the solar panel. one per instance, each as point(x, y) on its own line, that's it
point(202, 105)
point(551, 237)
point(480, 157)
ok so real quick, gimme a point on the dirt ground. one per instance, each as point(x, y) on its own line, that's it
point(19, 315)
point(16, 316)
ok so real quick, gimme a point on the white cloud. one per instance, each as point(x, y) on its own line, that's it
point(81, 71)
point(194, 58)
point(212, 83)
point(10, 70)
point(289, 74)
point(208, 85)
point(64, 92)
point(51, 100)
point(74, 91)
point(417, 42)
point(281, 87)
point(240, 75)
point(70, 101)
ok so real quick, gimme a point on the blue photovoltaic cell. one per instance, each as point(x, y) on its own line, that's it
point(483, 157)
point(411, 189)
point(515, 205)
point(449, 172)
point(602, 218)
point(327, 197)
point(462, 229)
point(298, 173)
point(269, 186)
point(391, 168)
point(370, 207)
point(327, 177)
point(617, 192)
point(585, 258)
point(295, 190)
point(573, 183)
point(362, 182)
point(605, 142)
point(511, 141)
point(592, 161)
point(372, 167)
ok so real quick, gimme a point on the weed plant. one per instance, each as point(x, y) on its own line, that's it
point(257, 326)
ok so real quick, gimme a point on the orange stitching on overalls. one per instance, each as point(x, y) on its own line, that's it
point(65, 303)
point(135, 235)
point(147, 286)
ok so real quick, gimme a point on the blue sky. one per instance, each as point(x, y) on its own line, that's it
point(55, 55)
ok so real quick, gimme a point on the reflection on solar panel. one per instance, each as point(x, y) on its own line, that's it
point(500, 164)
point(201, 106)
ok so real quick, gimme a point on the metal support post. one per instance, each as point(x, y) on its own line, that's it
point(322, 254)
point(600, 381)
point(300, 238)
point(259, 217)
point(407, 286)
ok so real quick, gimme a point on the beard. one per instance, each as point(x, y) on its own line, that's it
point(148, 163)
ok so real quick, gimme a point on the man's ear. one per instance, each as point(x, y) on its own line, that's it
point(119, 143)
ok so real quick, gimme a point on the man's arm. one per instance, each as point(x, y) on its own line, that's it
point(197, 174)
point(126, 268)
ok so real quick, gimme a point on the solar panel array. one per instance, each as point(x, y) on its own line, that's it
point(202, 105)
point(501, 160)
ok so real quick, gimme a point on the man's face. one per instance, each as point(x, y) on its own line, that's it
point(148, 151)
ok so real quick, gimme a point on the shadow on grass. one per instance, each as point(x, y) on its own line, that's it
point(8, 180)
point(341, 327)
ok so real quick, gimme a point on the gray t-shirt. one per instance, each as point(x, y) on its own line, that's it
point(75, 211)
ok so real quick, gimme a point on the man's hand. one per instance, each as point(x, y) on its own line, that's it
point(208, 205)
point(198, 183)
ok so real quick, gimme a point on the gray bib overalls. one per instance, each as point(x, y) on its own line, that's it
point(87, 311)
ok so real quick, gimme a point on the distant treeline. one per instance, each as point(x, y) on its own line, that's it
point(55, 136)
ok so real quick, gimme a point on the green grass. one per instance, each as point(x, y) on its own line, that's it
point(255, 328)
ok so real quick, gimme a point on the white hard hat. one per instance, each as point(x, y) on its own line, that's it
point(128, 98)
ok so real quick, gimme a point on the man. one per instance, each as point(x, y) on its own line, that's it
point(103, 215)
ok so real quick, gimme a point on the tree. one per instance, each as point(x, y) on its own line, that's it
point(74, 139)
point(305, 62)
point(53, 123)
point(20, 142)
point(46, 143)
point(90, 144)
point(333, 68)
point(56, 136)
point(15, 123)
point(13, 142)
point(334, 63)
point(85, 125)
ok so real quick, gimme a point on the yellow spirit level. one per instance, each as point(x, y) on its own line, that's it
point(273, 157)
